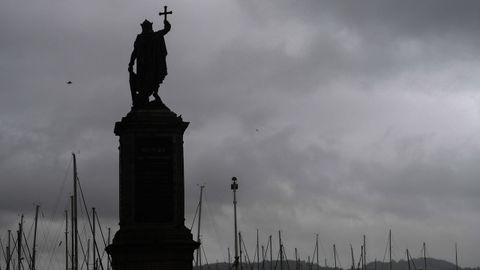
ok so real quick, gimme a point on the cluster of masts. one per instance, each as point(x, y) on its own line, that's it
point(263, 255)
point(19, 246)
point(21, 254)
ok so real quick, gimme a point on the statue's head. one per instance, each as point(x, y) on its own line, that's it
point(146, 26)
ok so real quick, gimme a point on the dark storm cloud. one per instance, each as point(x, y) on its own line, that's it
point(367, 41)
point(406, 18)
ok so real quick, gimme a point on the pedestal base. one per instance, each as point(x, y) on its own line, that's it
point(152, 249)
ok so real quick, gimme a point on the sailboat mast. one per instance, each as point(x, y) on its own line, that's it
point(66, 240)
point(281, 249)
point(19, 242)
point(87, 260)
point(360, 261)
point(408, 260)
point(258, 253)
point(335, 256)
point(9, 255)
point(316, 247)
point(108, 242)
point(456, 257)
point(240, 248)
point(94, 241)
point(364, 253)
point(390, 248)
point(75, 213)
point(271, 252)
point(296, 259)
point(353, 257)
point(34, 249)
point(72, 234)
point(263, 257)
point(424, 256)
point(199, 255)
point(234, 187)
point(229, 260)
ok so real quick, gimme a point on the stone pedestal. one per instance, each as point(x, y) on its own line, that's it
point(152, 233)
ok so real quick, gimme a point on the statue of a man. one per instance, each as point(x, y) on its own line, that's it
point(149, 53)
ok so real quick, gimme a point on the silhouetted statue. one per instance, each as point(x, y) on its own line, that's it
point(149, 53)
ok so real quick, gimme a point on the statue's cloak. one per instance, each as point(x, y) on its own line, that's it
point(151, 54)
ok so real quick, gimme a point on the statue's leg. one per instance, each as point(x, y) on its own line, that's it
point(133, 86)
point(155, 92)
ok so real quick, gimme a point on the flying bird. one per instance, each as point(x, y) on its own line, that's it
point(69, 82)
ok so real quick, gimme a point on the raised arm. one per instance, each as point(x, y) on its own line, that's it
point(166, 29)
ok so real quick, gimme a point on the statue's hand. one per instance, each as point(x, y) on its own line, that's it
point(166, 23)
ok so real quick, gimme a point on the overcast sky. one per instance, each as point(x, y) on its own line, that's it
point(340, 118)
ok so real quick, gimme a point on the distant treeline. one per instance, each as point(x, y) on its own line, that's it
point(415, 264)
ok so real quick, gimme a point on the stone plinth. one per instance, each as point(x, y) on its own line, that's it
point(152, 233)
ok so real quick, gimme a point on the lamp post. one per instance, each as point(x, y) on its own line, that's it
point(234, 187)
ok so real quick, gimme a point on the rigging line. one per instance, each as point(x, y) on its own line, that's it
point(254, 255)
point(88, 216)
point(109, 260)
point(205, 256)
point(314, 250)
point(278, 255)
point(246, 252)
point(13, 248)
point(360, 258)
point(323, 249)
point(411, 259)
point(101, 231)
point(82, 234)
point(286, 258)
point(340, 262)
point(53, 246)
point(56, 205)
point(103, 239)
point(83, 250)
point(54, 249)
point(212, 219)
point(394, 247)
point(31, 228)
point(103, 255)
point(60, 193)
point(195, 216)
point(28, 249)
point(26, 239)
point(3, 251)
point(43, 232)
point(266, 250)
point(385, 253)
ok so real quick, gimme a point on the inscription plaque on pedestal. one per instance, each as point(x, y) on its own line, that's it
point(154, 193)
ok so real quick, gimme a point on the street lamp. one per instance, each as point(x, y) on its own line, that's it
point(234, 187)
